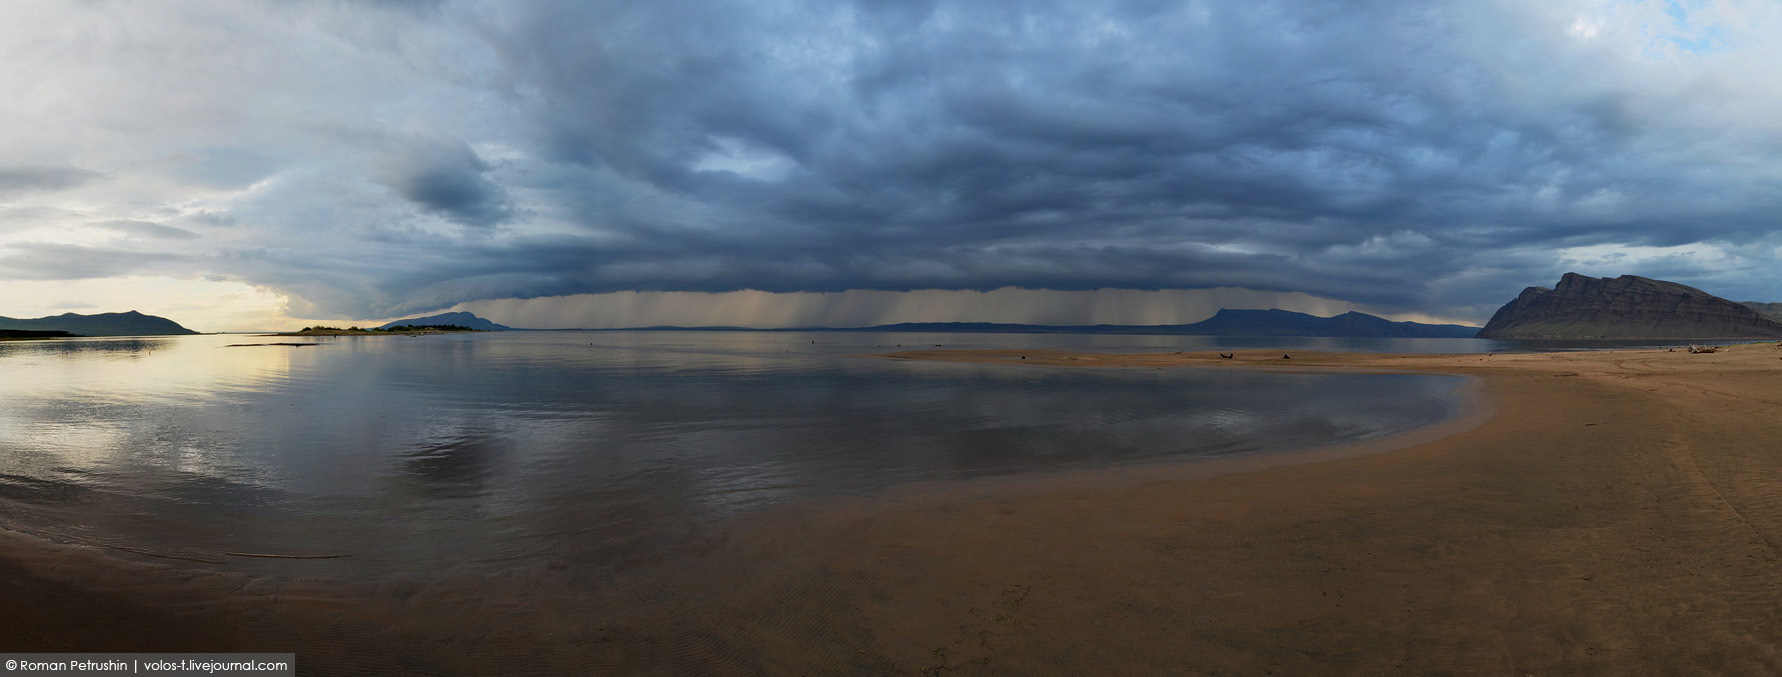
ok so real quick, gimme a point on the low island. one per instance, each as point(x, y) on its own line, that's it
point(28, 335)
point(401, 329)
point(443, 323)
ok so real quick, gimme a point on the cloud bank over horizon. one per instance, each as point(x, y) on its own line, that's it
point(865, 308)
point(386, 159)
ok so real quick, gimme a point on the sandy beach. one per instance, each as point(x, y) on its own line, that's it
point(1601, 513)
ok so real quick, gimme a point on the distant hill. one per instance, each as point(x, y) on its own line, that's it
point(1769, 310)
point(460, 319)
point(1224, 323)
point(1625, 307)
point(130, 323)
point(1347, 325)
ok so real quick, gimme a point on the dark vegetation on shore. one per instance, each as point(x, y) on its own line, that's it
point(26, 334)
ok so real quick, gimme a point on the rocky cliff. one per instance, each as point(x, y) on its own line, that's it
point(1625, 307)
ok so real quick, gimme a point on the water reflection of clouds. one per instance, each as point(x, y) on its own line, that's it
point(187, 367)
point(436, 451)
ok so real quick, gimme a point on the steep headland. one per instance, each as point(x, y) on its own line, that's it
point(129, 323)
point(1625, 307)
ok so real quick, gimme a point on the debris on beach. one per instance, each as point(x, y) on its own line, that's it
point(267, 556)
point(1695, 349)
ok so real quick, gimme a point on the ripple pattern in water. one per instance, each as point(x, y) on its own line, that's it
point(470, 453)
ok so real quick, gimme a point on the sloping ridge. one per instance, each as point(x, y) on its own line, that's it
point(1769, 310)
point(1276, 322)
point(1227, 322)
point(129, 323)
point(1625, 307)
point(460, 319)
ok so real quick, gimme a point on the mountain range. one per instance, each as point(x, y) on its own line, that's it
point(1578, 307)
point(1226, 322)
point(1276, 322)
point(130, 323)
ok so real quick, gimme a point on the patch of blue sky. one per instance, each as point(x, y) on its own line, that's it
point(1685, 33)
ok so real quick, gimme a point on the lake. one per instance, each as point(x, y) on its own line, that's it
point(467, 454)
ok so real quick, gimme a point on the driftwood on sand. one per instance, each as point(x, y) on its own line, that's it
point(267, 556)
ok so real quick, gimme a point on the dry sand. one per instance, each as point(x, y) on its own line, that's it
point(1607, 513)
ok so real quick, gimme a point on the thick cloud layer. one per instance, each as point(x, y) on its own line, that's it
point(445, 178)
point(380, 159)
point(862, 308)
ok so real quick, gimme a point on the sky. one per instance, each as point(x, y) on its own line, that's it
point(239, 165)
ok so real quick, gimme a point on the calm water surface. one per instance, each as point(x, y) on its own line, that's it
point(472, 453)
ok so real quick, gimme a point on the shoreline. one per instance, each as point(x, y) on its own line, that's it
point(1614, 511)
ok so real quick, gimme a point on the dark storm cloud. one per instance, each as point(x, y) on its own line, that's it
point(1410, 155)
point(444, 177)
point(1352, 150)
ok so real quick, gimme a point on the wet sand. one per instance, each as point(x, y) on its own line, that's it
point(1608, 513)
